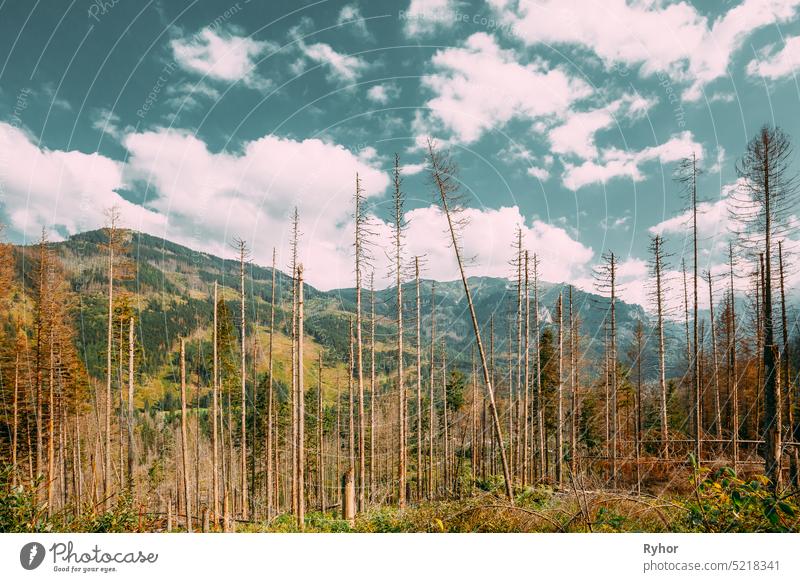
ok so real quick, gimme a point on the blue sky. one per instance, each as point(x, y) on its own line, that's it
point(209, 120)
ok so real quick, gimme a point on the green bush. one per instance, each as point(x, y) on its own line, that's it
point(725, 503)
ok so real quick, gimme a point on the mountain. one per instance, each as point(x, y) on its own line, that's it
point(173, 286)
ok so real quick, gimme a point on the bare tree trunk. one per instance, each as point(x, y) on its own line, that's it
point(15, 421)
point(301, 407)
point(573, 389)
point(401, 387)
point(526, 405)
point(442, 173)
point(662, 374)
point(560, 393)
point(373, 394)
point(113, 216)
point(445, 422)
point(539, 395)
point(419, 380)
point(430, 397)
point(351, 455)
point(131, 479)
point(245, 503)
point(360, 220)
point(51, 427)
point(715, 365)
point(214, 414)
point(185, 442)
point(789, 399)
point(734, 380)
point(320, 440)
point(270, 469)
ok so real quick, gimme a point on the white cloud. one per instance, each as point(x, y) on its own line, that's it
point(540, 174)
point(577, 135)
point(350, 16)
point(488, 239)
point(661, 36)
point(107, 122)
point(778, 64)
point(209, 197)
point(382, 94)
point(342, 68)
point(424, 17)
point(64, 192)
point(479, 87)
point(617, 163)
point(221, 54)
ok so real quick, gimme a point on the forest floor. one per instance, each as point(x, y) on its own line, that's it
point(708, 500)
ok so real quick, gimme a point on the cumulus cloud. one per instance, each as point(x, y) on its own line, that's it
point(342, 68)
point(425, 17)
point(221, 54)
point(618, 163)
point(210, 197)
point(350, 16)
point(479, 86)
point(64, 192)
point(576, 136)
point(777, 64)
point(673, 38)
point(382, 94)
point(488, 240)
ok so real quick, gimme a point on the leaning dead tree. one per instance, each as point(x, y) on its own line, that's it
point(443, 176)
point(763, 207)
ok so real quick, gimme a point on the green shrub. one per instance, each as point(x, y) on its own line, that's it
point(726, 503)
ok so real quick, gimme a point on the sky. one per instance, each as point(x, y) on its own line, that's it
point(207, 121)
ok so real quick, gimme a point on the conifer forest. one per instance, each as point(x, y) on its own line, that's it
point(416, 266)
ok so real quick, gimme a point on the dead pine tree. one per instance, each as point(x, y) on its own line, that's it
point(785, 373)
point(131, 490)
point(560, 392)
point(270, 467)
point(714, 362)
point(112, 247)
point(606, 278)
point(243, 252)
point(657, 267)
point(527, 374)
point(185, 442)
point(351, 446)
point(443, 175)
point(320, 439)
point(301, 423)
point(687, 175)
point(573, 389)
point(361, 257)
point(539, 395)
point(215, 410)
point(733, 380)
point(398, 227)
point(765, 203)
point(431, 393)
point(373, 395)
point(295, 241)
point(419, 376)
